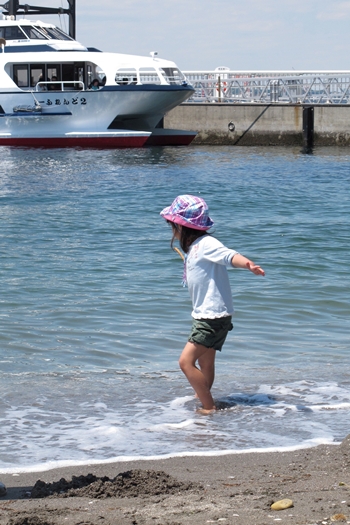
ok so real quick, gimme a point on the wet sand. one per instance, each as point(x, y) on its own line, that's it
point(230, 489)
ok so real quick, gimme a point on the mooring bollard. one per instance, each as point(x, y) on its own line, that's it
point(308, 127)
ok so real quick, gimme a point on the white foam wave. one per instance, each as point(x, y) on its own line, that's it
point(335, 406)
point(180, 401)
point(49, 465)
point(172, 426)
point(51, 430)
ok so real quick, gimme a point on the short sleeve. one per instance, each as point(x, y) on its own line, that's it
point(216, 252)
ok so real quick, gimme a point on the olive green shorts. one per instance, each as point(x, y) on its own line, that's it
point(211, 333)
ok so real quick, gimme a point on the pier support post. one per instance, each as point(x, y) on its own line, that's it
point(308, 127)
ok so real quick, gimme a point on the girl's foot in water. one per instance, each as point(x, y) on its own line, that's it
point(206, 411)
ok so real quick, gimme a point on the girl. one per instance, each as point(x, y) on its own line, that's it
point(205, 273)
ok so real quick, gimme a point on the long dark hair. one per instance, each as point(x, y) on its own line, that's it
point(187, 236)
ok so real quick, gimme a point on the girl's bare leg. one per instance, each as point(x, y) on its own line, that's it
point(200, 380)
point(207, 366)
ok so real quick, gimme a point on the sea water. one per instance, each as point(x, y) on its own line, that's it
point(94, 317)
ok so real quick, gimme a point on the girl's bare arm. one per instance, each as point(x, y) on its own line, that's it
point(239, 261)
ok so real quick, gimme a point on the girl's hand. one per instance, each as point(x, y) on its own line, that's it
point(254, 268)
point(239, 261)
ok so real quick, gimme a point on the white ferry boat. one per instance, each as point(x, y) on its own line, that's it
point(55, 92)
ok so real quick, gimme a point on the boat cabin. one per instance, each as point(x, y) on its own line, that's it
point(29, 43)
point(56, 76)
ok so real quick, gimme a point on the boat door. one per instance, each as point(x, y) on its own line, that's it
point(73, 72)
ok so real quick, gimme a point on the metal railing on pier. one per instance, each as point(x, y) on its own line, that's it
point(270, 87)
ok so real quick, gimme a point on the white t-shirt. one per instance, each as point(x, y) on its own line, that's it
point(207, 278)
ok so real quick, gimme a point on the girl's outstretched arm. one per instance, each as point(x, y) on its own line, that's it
point(239, 261)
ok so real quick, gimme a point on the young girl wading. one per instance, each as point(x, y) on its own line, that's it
point(205, 272)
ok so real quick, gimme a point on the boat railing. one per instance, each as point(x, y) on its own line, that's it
point(275, 87)
point(174, 80)
point(57, 85)
point(172, 76)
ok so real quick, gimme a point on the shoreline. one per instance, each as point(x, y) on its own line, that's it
point(227, 488)
point(62, 464)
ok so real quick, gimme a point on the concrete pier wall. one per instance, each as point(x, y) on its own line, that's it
point(259, 125)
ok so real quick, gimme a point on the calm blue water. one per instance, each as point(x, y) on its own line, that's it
point(93, 315)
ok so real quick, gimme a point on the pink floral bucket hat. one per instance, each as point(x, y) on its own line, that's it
point(189, 211)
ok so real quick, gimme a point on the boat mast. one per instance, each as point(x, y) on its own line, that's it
point(13, 8)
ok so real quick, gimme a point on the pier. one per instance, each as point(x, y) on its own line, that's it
point(303, 108)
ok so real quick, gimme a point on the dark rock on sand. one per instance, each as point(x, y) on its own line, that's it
point(130, 484)
point(28, 520)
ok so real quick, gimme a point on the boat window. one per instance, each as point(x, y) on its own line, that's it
point(20, 75)
point(37, 73)
point(125, 76)
point(54, 33)
point(53, 70)
point(33, 33)
point(62, 34)
point(89, 74)
point(95, 72)
point(68, 76)
point(44, 31)
point(68, 72)
point(79, 73)
point(12, 33)
point(101, 75)
point(172, 75)
point(149, 75)
point(73, 76)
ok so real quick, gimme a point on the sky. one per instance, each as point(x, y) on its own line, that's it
point(202, 35)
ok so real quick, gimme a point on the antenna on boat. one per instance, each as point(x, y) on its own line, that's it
point(14, 8)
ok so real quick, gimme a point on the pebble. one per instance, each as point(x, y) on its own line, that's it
point(338, 517)
point(3, 490)
point(282, 504)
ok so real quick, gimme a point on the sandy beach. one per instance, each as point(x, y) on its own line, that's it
point(227, 489)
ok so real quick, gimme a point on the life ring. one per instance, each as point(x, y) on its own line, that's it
point(222, 86)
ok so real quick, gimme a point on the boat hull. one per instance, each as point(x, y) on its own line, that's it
point(170, 137)
point(67, 112)
point(79, 140)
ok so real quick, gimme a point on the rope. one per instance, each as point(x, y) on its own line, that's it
point(252, 124)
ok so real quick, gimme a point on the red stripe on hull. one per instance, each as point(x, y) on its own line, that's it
point(76, 142)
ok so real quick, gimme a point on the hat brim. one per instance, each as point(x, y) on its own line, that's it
point(181, 220)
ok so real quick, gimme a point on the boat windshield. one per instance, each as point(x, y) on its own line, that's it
point(53, 33)
point(12, 33)
point(33, 33)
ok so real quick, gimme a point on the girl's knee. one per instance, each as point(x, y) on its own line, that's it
point(183, 363)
